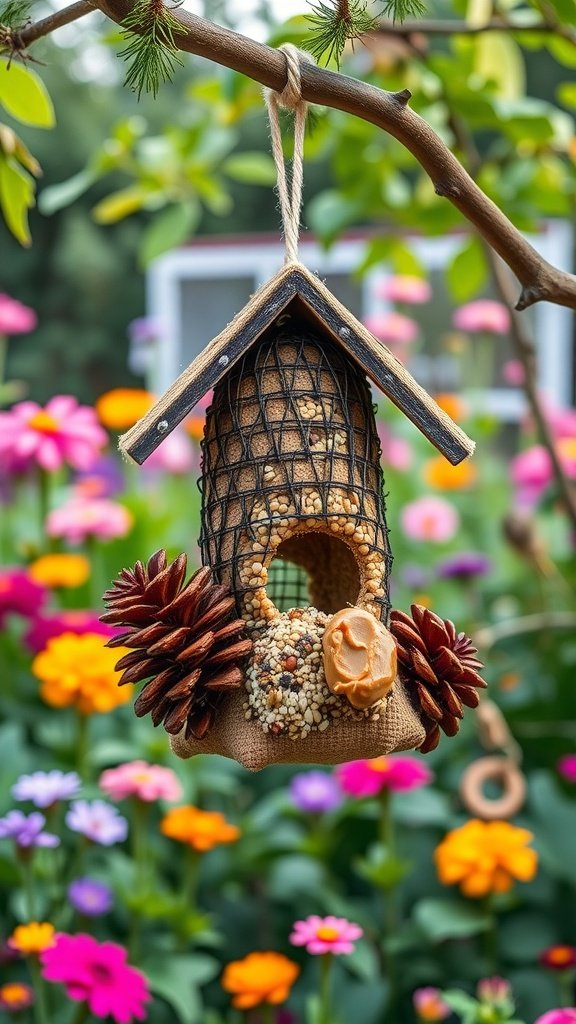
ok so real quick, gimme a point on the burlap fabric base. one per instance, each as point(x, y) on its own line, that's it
point(398, 728)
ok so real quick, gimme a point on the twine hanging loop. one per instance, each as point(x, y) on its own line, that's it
point(289, 193)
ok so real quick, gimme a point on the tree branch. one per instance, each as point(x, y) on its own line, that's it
point(389, 111)
point(445, 27)
point(30, 33)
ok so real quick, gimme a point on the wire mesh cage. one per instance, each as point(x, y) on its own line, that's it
point(293, 506)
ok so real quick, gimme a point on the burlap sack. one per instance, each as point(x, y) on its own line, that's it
point(399, 728)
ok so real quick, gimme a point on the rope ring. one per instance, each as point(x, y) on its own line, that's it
point(500, 769)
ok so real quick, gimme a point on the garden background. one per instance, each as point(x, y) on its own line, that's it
point(97, 847)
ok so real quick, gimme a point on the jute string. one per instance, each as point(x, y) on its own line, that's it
point(289, 193)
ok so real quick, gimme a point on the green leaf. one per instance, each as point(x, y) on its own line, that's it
point(253, 168)
point(566, 93)
point(330, 212)
point(16, 198)
point(176, 979)
point(467, 272)
point(555, 826)
point(24, 95)
point(120, 204)
point(381, 868)
point(498, 58)
point(169, 229)
point(442, 919)
point(459, 1001)
point(55, 197)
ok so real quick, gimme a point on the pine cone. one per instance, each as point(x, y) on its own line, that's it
point(186, 642)
point(439, 665)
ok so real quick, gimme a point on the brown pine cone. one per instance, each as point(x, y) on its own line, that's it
point(439, 666)
point(187, 642)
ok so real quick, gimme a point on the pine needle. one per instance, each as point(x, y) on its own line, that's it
point(399, 10)
point(331, 29)
point(14, 13)
point(149, 31)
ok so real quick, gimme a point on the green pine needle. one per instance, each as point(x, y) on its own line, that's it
point(149, 31)
point(331, 30)
point(399, 10)
point(14, 13)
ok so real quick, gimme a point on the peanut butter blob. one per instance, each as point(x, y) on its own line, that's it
point(359, 657)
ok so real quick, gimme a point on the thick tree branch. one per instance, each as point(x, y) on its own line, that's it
point(389, 111)
point(30, 33)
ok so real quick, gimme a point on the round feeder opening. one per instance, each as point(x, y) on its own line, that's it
point(313, 568)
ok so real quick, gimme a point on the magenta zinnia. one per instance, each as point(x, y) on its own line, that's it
point(323, 935)
point(369, 777)
point(97, 973)
point(61, 433)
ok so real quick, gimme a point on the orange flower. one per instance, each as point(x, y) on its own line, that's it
point(452, 405)
point(200, 829)
point(194, 426)
point(259, 978)
point(439, 473)
point(32, 938)
point(484, 857)
point(122, 407)
point(78, 669)
point(65, 570)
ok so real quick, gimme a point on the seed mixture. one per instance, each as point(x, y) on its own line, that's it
point(285, 683)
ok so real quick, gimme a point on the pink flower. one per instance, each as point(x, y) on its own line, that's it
point(429, 1005)
point(396, 451)
point(81, 518)
point(392, 328)
point(493, 990)
point(405, 288)
point(399, 774)
point(19, 595)
point(513, 372)
point(566, 1015)
point(61, 433)
point(97, 973)
point(147, 782)
point(567, 767)
point(43, 627)
point(14, 317)
point(430, 518)
point(482, 316)
point(323, 935)
point(531, 470)
point(175, 455)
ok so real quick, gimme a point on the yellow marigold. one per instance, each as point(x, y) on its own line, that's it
point(65, 570)
point(484, 857)
point(452, 405)
point(77, 669)
point(439, 473)
point(32, 938)
point(122, 407)
point(259, 978)
point(200, 829)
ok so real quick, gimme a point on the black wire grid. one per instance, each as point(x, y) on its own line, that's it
point(255, 421)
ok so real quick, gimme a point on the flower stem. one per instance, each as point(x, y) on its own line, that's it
point(189, 887)
point(43, 501)
point(325, 968)
point(41, 1014)
point(139, 821)
point(566, 986)
point(28, 885)
point(491, 937)
point(390, 924)
point(268, 1015)
point(82, 746)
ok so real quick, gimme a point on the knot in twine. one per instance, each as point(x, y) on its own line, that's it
point(289, 194)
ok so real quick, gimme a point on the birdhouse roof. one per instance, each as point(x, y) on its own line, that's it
point(294, 288)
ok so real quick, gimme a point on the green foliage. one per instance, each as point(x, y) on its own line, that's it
point(334, 24)
point(14, 13)
point(149, 32)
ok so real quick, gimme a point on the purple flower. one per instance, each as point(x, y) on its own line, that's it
point(90, 897)
point(464, 566)
point(104, 479)
point(315, 792)
point(46, 788)
point(26, 829)
point(98, 821)
point(19, 595)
